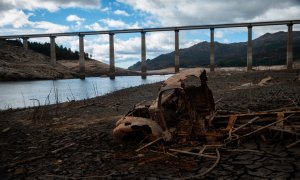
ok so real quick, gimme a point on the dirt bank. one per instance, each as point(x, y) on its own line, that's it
point(73, 140)
point(19, 64)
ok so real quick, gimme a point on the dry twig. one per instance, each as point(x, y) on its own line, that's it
point(62, 148)
point(191, 153)
point(149, 144)
point(209, 169)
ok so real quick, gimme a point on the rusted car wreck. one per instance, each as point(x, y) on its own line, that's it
point(185, 110)
point(182, 110)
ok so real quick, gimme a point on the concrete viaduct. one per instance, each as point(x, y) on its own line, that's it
point(111, 33)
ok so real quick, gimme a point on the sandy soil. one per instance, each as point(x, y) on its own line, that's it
point(95, 68)
point(19, 64)
point(73, 140)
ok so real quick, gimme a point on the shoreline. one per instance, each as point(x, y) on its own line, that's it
point(167, 71)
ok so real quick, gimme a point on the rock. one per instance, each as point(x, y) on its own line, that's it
point(152, 178)
point(57, 162)
point(5, 130)
point(280, 168)
point(245, 176)
point(279, 175)
point(297, 175)
point(221, 173)
point(260, 172)
point(20, 171)
point(228, 167)
point(243, 162)
point(254, 166)
point(244, 157)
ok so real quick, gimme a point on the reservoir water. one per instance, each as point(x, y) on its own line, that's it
point(43, 92)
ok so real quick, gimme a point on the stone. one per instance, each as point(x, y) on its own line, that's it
point(245, 176)
point(219, 173)
point(280, 168)
point(244, 157)
point(254, 166)
point(20, 171)
point(243, 162)
point(227, 167)
point(279, 175)
point(297, 175)
point(260, 172)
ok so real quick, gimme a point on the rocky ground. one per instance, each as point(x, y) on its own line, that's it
point(95, 68)
point(18, 64)
point(74, 140)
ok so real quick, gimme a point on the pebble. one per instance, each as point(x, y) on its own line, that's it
point(280, 168)
point(254, 166)
point(20, 171)
point(243, 162)
point(260, 172)
point(279, 175)
point(228, 167)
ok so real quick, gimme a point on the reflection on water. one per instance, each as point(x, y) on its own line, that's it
point(44, 92)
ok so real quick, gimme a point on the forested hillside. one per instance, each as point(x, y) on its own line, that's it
point(269, 49)
point(62, 53)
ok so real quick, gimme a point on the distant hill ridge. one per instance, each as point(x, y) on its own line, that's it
point(268, 49)
point(44, 48)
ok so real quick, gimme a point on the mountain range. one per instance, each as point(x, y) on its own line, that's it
point(268, 49)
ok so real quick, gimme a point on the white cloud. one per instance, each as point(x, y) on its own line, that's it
point(50, 27)
point(15, 18)
point(95, 27)
point(50, 5)
point(75, 18)
point(121, 12)
point(106, 9)
point(182, 12)
point(119, 24)
point(114, 23)
point(219, 34)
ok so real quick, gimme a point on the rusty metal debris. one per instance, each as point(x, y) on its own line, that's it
point(181, 110)
point(183, 115)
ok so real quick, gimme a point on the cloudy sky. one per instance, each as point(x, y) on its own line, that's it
point(53, 16)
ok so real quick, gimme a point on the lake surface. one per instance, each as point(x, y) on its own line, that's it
point(44, 92)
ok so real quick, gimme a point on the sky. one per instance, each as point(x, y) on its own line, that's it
point(55, 16)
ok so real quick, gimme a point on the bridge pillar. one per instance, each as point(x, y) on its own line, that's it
point(81, 57)
point(52, 50)
point(249, 49)
point(212, 50)
point(289, 52)
point(25, 43)
point(143, 55)
point(112, 70)
point(176, 51)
